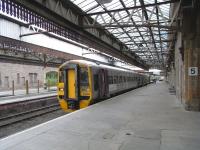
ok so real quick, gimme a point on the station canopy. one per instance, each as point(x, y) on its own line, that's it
point(143, 25)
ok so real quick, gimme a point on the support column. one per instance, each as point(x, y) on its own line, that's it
point(192, 83)
point(191, 39)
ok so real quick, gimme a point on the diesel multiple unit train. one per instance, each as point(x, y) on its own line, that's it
point(82, 83)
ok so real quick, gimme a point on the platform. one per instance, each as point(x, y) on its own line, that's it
point(22, 92)
point(6, 97)
point(148, 118)
point(14, 99)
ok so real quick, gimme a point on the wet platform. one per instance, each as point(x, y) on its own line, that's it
point(148, 118)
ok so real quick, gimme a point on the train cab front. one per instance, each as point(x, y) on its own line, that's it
point(74, 87)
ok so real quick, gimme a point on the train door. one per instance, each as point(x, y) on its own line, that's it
point(71, 84)
point(103, 83)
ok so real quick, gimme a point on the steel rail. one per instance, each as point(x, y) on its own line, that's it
point(25, 115)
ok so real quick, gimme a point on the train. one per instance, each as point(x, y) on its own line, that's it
point(82, 83)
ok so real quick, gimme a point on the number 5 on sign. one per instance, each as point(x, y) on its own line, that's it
point(193, 71)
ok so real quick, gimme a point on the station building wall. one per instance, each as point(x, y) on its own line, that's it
point(19, 73)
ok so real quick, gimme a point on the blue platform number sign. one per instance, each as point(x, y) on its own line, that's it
point(193, 71)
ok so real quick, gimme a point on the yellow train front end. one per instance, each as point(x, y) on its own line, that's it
point(74, 86)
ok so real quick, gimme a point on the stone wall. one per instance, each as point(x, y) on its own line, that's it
point(19, 73)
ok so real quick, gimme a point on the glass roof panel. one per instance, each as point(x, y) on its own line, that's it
point(131, 25)
point(97, 9)
point(115, 4)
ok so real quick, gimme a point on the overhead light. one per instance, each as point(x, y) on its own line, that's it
point(104, 1)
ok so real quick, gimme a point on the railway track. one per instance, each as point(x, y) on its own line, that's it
point(45, 105)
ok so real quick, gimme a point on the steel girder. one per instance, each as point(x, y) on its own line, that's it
point(140, 28)
point(132, 8)
point(64, 18)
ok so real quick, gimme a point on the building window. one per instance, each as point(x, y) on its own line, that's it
point(23, 80)
point(35, 77)
point(32, 78)
point(18, 78)
point(6, 85)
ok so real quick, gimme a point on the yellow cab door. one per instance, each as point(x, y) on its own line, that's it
point(71, 84)
point(72, 89)
point(69, 87)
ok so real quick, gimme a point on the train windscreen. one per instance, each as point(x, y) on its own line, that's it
point(84, 83)
point(84, 76)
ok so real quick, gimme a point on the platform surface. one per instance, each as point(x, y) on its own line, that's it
point(148, 118)
point(22, 92)
point(20, 95)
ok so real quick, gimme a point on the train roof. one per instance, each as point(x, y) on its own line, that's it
point(101, 65)
point(89, 63)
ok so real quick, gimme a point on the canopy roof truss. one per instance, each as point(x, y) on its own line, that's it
point(139, 32)
point(143, 25)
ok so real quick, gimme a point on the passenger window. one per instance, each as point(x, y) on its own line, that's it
point(115, 79)
point(96, 82)
point(120, 79)
point(84, 76)
point(110, 78)
point(124, 79)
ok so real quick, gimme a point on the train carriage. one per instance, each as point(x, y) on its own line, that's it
point(82, 83)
